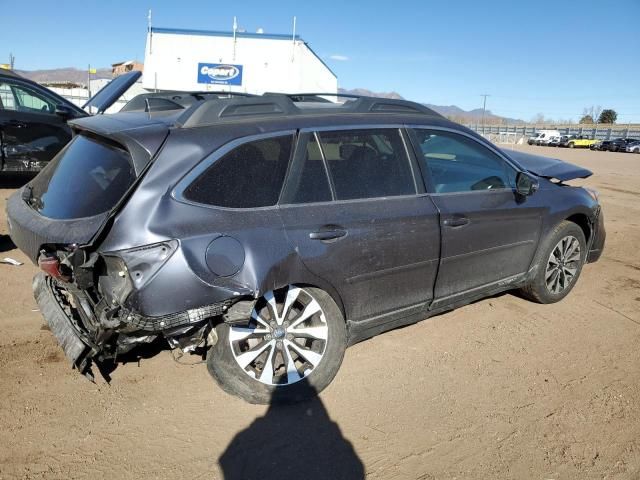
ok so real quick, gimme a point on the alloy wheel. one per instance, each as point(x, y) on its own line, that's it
point(563, 264)
point(285, 339)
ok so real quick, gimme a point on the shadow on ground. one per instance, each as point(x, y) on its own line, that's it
point(297, 441)
point(6, 244)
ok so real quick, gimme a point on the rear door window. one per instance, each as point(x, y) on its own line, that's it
point(367, 163)
point(88, 177)
point(308, 181)
point(249, 176)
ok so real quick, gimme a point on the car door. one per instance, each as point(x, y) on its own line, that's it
point(489, 233)
point(353, 210)
point(32, 133)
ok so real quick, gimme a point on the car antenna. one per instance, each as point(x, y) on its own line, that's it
point(147, 107)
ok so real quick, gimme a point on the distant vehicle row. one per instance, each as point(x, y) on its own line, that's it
point(553, 138)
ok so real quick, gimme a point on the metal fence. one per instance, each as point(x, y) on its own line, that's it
point(599, 132)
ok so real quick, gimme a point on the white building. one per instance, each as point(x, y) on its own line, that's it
point(199, 60)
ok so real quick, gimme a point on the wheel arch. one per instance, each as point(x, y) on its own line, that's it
point(584, 223)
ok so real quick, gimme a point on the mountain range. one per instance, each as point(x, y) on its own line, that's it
point(452, 112)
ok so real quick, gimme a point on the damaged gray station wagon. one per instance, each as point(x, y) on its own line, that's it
point(273, 231)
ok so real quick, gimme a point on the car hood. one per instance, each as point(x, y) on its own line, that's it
point(549, 167)
point(111, 92)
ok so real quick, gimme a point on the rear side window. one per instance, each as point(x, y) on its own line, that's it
point(86, 178)
point(249, 176)
point(367, 163)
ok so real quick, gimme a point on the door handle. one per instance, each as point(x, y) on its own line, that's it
point(456, 221)
point(328, 234)
point(16, 124)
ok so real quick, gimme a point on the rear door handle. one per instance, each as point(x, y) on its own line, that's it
point(456, 221)
point(328, 234)
point(16, 124)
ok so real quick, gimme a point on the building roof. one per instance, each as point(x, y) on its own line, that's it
point(238, 34)
point(220, 33)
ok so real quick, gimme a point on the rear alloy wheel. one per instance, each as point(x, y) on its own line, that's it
point(558, 264)
point(290, 348)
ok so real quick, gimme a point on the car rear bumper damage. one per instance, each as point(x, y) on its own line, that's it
point(87, 341)
point(72, 338)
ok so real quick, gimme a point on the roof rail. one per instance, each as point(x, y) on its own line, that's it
point(175, 99)
point(361, 103)
point(278, 104)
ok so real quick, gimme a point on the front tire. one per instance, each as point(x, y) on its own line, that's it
point(290, 349)
point(558, 264)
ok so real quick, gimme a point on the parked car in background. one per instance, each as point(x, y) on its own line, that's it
point(617, 144)
point(581, 141)
point(554, 141)
point(272, 233)
point(565, 139)
point(633, 147)
point(33, 119)
point(542, 136)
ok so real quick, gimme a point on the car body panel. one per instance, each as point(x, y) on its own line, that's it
point(549, 167)
point(382, 273)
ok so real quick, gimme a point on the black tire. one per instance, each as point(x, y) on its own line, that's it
point(572, 145)
point(233, 379)
point(537, 289)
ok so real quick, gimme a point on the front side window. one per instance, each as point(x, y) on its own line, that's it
point(249, 176)
point(367, 163)
point(24, 99)
point(456, 163)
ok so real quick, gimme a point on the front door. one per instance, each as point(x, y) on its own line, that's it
point(31, 131)
point(353, 214)
point(489, 233)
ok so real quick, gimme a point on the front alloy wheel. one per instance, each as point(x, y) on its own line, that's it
point(563, 264)
point(290, 348)
point(557, 264)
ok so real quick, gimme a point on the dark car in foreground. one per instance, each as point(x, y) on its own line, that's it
point(33, 119)
point(273, 232)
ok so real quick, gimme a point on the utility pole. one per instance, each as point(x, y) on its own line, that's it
point(484, 108)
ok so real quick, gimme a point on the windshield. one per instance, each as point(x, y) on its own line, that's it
point(86, 178)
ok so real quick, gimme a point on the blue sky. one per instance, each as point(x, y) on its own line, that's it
point(544, 57)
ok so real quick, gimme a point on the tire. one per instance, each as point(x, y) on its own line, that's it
point(636, 150)
point(572, 145)
point(302, 363)
point(547, 284)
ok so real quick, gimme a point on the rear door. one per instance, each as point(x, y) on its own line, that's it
point(31, 131)
point(354, 212)
point(489, 234)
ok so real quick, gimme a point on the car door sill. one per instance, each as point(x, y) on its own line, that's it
point(509, 282)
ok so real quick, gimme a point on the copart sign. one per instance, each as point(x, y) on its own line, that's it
point(220, 73)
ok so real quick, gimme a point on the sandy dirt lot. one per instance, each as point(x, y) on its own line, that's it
point(502, 388)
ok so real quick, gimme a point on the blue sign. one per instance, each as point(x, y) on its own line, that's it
point(220, 73)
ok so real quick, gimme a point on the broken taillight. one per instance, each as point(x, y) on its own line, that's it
point(50, 264)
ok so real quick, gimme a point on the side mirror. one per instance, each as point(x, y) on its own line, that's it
point(526, 184)
point(63, 111)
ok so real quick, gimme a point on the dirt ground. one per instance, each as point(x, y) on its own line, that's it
point(502, 388)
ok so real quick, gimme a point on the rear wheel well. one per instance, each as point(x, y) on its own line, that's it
point(583, 222)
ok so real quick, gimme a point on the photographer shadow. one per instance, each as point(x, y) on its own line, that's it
point(292, 441)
